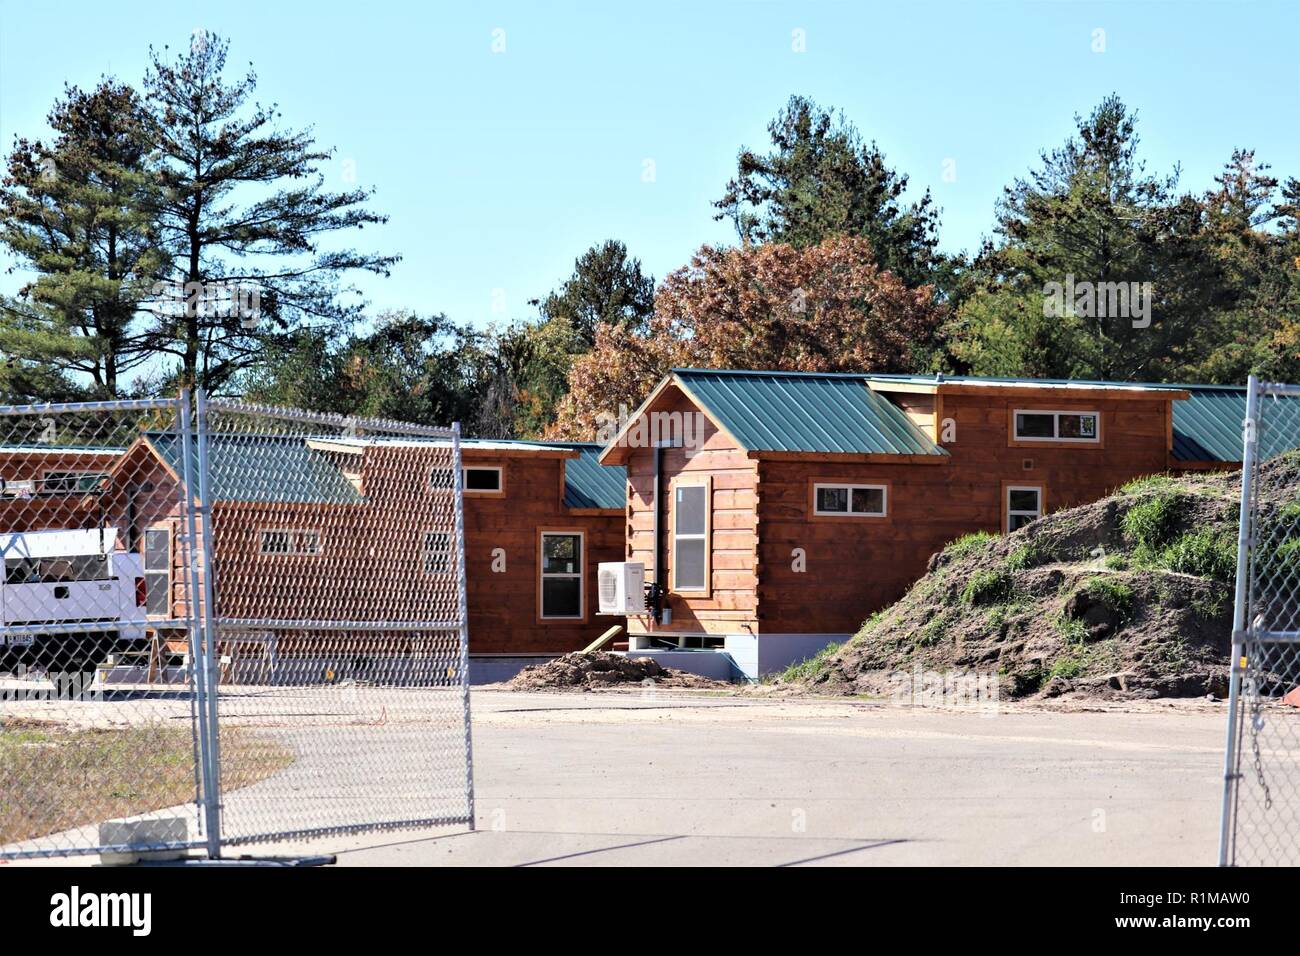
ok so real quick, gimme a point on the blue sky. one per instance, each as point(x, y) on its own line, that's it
point(498, 168)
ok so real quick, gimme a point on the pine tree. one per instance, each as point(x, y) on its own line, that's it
point(75, 216)
point(820, 180)
point(242, 215)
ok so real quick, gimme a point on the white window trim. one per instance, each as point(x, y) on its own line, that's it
point(294, 550)
point(1056, 424)
point(464, 480)
point(1019, 513)
point(146, 571)
point(884, 500)
point(66, 474)
point(543, 574)
point(705, 536)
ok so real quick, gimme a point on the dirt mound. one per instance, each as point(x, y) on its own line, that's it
point(590, 671)
point(1130, 596)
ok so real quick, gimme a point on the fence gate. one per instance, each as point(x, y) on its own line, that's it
point(337, 627)
point(99, 716)
point(227, 625)
point(1261, 803)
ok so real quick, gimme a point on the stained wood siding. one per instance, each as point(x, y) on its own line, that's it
point(731, 604)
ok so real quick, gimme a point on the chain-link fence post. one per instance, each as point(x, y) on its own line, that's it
point(208, 660)
point(463, 612)
point(1261, 807)
point(1250, 444)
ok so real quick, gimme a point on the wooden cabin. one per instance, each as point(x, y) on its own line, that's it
point(355, 529)
point(796, 505)
point(52, 486)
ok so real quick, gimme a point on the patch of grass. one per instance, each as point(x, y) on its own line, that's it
point(1150, 523)
point(1073, 630)
point(1116, 562)
point(933, 632)
point(988, 586)
point(1024, 557)
point(53, 778)
point(1209, 605)
point(1204, 553)
point(809, 669)
point(1115, 594)
point(1282, 559)
point(1148, 483)
point(968, 544)
point(1068, 666)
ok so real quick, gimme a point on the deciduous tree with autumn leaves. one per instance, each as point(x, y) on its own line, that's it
point(826, 307)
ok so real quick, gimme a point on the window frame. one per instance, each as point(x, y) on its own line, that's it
point(691, 481)
point(499, 492)
point(294, 550)
point(75, 476)
point(426, 552)
point(580, 574)
point(1055, 440)
point(1007, 512)
point(169, 529)
point(815, 484)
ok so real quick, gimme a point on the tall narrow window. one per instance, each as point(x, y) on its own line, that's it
point(157, 571)
point(1024, 504)
point(561, 585)
point(691, 537)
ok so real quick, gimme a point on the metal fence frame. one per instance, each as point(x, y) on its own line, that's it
point(204, 797)
point(192, 424)
point(1249, 631)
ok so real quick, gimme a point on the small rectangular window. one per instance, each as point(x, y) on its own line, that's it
point(561, 574)
point(1024, 504)
point(290, 541)
point(71, 482)
point(437, 552)
point(691, 538)
point(864, 501)
point(475, 479)
point(1057, 426)
point(482, 479)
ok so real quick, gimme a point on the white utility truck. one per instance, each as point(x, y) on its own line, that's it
point(68, 598)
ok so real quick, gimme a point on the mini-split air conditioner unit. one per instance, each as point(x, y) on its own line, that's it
point(622, 587)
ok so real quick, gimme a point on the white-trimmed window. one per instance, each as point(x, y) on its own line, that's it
point(290, 541)
point(436, 552)
point(1024, 504)
point(862, 501)
point(158, 571)
point(561, 575)
point(475, 479)
point(691, 504)
point(71, 482)
point(1034, 425)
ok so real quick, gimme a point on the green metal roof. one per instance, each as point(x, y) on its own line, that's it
point(806, 412)
point(277, 469)
point(1208, 426)
point(588, 483)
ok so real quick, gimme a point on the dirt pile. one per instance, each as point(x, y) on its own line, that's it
point(1128, 597)
point(600, 669)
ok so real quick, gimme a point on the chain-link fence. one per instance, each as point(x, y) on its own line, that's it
point(1261, 812)
point(98, 714)
point(338, 627)
point(266, 598)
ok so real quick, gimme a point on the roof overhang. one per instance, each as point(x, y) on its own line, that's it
point(619, 450)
